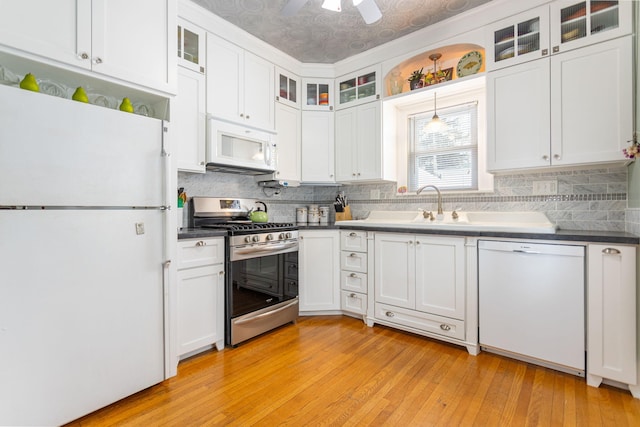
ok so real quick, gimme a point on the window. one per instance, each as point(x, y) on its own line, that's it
point(445, 156)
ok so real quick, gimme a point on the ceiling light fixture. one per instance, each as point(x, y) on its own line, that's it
point(333, 5)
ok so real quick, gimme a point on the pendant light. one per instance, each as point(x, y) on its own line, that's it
point(436, 125)
point(333, 5)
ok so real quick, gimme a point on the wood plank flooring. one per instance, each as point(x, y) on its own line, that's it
point(336, 371)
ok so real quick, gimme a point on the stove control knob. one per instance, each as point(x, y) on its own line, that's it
point(256, 238)
point(247, 239)
point(289, 235)
point(282, 236)
point(269, 237)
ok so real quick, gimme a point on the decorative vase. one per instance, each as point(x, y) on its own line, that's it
point(395, 83)
point(415, 84)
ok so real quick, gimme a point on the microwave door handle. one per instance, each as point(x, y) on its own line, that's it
point(267, 153)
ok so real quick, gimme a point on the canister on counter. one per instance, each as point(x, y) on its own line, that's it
point(301, 215)
point(313, 217)
point(324, 214)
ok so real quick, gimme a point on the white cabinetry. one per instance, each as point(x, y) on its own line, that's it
point(200, 295)
point(319, 271)
point(191, 41)
point(289, 129)
point(239, 85)
point(318, 164)
point(358, 88)
point(579, 23)
point(554, 99)
point(318, 95)
point(358, 142)
point(420, 283)
point(133, 42)
point(287, 88)
point(611, 315)
point(354, 272)
point(188, 121)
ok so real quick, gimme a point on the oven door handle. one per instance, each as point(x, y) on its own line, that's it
point(267, 248)
point(268, 313)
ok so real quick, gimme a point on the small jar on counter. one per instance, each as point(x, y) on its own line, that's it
point(324, 214)
point(301, 215)
point(313, 217)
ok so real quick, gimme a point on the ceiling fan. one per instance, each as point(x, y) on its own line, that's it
point(367, 8)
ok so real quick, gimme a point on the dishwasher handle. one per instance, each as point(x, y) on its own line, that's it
point(522, 251)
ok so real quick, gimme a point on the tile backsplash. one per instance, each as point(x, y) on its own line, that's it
point(586, 199)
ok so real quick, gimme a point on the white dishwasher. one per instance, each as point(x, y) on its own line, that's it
point(531, 302)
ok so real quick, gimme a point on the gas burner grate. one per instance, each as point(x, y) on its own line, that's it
point(251, 226)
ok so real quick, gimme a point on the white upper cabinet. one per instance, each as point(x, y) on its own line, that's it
point(191, 51)
point(289, 129)
point(576, 24)
point(131, 41)
point(318, 145)
point(518, 39)
point(359, 87)
point(287, 88)
point(318, 94)
point(358, 140)
point(239, 85)
point(591, 123)
point(188, 121)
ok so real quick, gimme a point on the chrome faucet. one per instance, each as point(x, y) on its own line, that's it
point(439, 196)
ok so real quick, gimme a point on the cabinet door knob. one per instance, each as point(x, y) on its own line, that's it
point(352, 295)
point(545, 52)
point(556, 49)
point(389, 314)
point(83, 55)
point(353, 275)
point(611, 251)
point(97, 60)
point(556, 156)
point(545, 157)
point(221, 273)
point(352, 234)
point(241, 114)
point(248, 117)
point(445, 327)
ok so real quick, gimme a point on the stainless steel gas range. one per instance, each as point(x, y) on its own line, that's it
point(261, 291)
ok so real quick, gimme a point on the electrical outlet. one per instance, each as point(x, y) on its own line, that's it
point(375, 194)
point(541, 188)
point(139, 228)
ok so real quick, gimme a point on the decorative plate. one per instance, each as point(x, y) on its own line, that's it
point(469, 64)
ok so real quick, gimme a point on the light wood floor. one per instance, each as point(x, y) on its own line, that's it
point(334, 370)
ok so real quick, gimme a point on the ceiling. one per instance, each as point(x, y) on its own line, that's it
point(316, 35)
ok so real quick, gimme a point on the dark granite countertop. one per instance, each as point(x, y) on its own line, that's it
point(560, 235)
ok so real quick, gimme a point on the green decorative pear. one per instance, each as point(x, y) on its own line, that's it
point(80, 95)
point(126, 105)
point(29, 83)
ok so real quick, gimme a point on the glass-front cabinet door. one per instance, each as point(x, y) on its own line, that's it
point(318, 94)
point(358, 88)
point(576, 24)
point(191, 46)
point(288, 88)
point(518, 39)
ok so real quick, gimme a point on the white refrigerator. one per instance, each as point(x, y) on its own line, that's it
point(82, 256)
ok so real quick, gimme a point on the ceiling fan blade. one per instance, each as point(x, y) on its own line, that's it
point(292, 7)
point(369, 11)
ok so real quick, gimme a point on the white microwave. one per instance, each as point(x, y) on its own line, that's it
point(239, 149)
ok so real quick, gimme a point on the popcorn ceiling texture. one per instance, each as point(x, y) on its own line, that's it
point(589, 199)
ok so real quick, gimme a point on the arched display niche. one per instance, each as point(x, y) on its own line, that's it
point(451, 57)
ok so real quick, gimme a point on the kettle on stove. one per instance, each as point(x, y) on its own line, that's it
point(259, 215)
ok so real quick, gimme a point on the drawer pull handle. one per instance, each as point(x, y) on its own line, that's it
point(352, 295)
point(353, 275)
point(201, 243)
point(352, 234)
point(389, 314)
point(445, 327)
point(611, 251)
point(353, 255)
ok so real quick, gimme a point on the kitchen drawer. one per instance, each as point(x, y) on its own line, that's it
point(354, 282)
point(353, 261)
point(425, 322)
point(200, 252)
point(353, 302)
point(353, 241)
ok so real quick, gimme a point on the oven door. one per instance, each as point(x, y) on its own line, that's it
point(262, 293)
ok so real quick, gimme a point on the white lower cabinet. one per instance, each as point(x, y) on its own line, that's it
point(611, 315)
point(319, 271)
point(354, 267)
point(200, 295)
point(420, 284)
